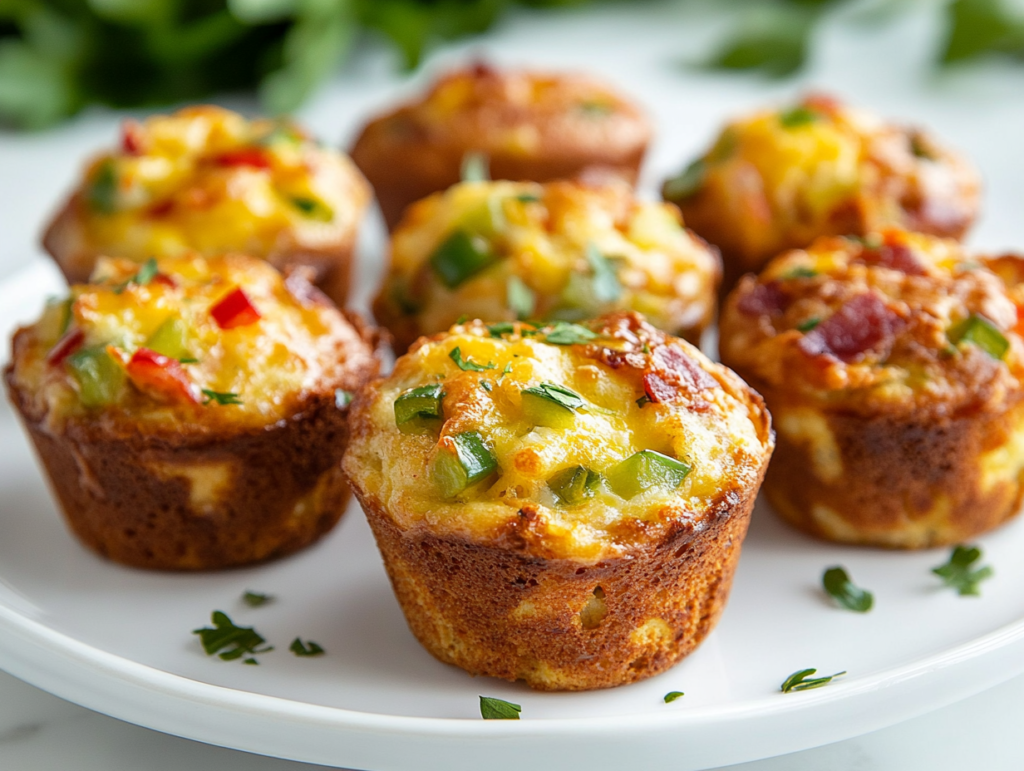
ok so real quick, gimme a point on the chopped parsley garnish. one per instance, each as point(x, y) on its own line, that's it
point(521, 298)
point(498, 709)
point(838, 585)
point(475, 167)
point(251, 662)
point(671, 696)
point(595, 109)
point(308, 649)
point(686, 183)
point(102, 193)
point(462, 319)
point(566, 333)
point(503, 328)
point(342, 398)
point(802, 681)
point(528, 198)
point(256, 599)
point(466, 365)
point(144, 275)
point(606, 286)
point(798, 116)
point(799, 272)
point(505, 371)
point(485, 385)
point(313, 208)
point(228, 641)
point(959, 574)
point(220, 397)
point(560, 395)
point(809, 324)
point(645, 399)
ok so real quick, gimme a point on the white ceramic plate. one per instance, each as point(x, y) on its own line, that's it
point(118, 641)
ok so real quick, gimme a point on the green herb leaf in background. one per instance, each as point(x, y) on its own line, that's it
point(498, 709)
point(841, 589)
point(959, 572)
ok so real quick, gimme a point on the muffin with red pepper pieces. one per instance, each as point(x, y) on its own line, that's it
point(207, 180)
point(561, 504)
point(529, 125)
point(191, 412)
point(892, 366)
point(778, 179)
point(564, 250)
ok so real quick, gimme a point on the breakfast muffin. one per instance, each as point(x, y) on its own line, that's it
point(564, 250)
point(191, 412)
point(207, 180)
point(561, 504)
point(892, 367)
point(529, 126)
point(778, 179)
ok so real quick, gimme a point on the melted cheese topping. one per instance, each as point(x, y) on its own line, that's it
point(724, 440)
point(780, 178)
point(545, 236)
point(208, 180)
point(927, 286)
point(293, 349)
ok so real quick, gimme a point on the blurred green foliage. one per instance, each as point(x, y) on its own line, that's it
point(56, 56)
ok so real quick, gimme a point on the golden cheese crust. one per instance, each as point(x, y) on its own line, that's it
point(561, 250)
point(530, 125)
point(892, 366)
point(207, 180)
point(778, 179)
point(217, 446)
point(597, 544)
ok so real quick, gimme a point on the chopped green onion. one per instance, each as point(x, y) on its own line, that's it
point(839, 586)
point(605, 282)
point(169, 340)
point(471, 462)
point(102, 192)
point(313, 208)
point(574, 485)
point(465, 364)
point(980, 331)
point(420, 408)
point(798, 116)
point(551, 405)
point(222, 398)
point(459, 257)
point(687, 183)
point(645, 470)
point(498, 709)
point(521, 298)
point(100, 379)
point(475, 167)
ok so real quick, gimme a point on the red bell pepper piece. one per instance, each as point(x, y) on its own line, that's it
point(160, 375)
point(246, 156)
point(131, 142)
point(234, 310)
point(66, 346)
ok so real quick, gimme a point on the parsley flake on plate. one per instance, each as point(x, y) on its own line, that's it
point(305, 650)
point(257, 599)
point(498, 709)
point(228, 641)
point(802, 680)
point(841, 589)
point(958, 572)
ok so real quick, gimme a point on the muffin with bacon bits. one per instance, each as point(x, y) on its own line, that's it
point(207, 180)
point(561, 504)
point(564, 250)
point(892, 365)
point(778, 179)
point(191, 412)
point(528, 125)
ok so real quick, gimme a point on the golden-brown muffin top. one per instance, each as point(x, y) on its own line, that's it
point(518, 112)
point(779, 178)
point(564, 250)
point(889, 322)
point(564, 440)
point(207, 179)
point(190, 344)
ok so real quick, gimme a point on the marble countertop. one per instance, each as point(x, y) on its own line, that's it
point(882, 66)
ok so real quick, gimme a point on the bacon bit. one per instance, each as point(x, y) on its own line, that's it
point(822, 103)
point(616, 359)
point(131, 137)
point(164, 280)
point(160, 376)
point(860, 324)
point(764, 299)
point(234, 310)
point(657, 389)
point(160, 209)
point(66, 346)
point(299, 283)
point(681, 369)
point(246, 156)
point(895, 256)
point(1019, 328)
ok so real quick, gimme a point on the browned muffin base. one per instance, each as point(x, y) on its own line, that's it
point(493, 609)
point(906, 482)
